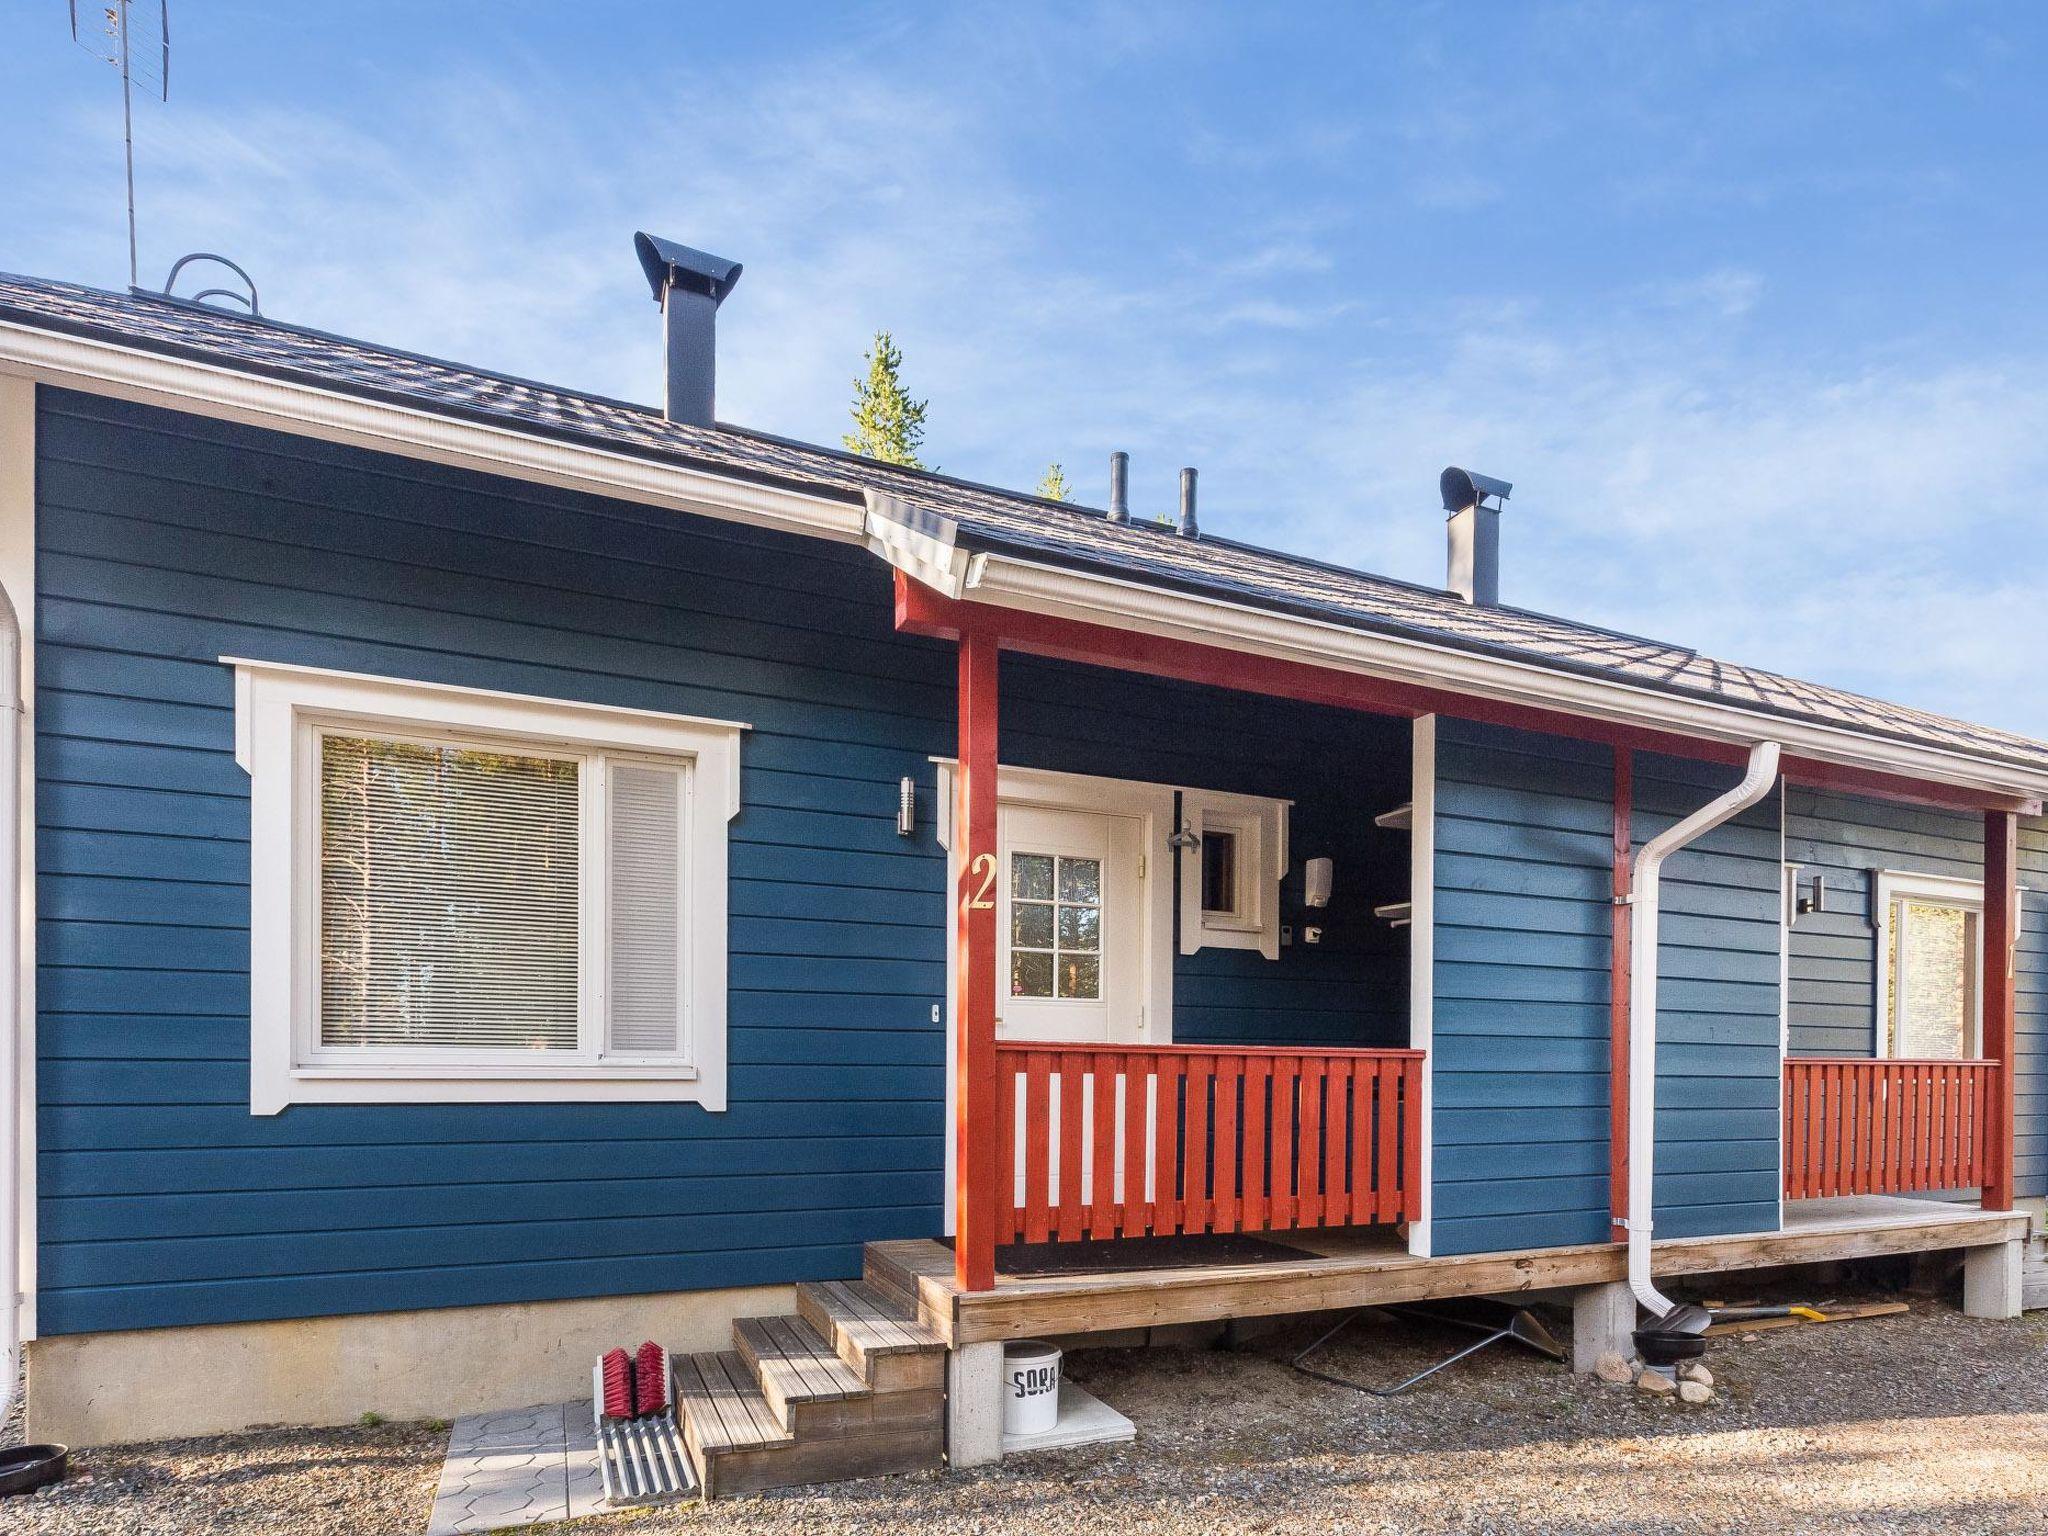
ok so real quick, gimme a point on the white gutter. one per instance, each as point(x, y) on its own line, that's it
point(1642, 1006)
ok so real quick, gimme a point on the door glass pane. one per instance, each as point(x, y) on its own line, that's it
point(1055, 926)
point(1031, 876)
point(1080, 880)
point(1080, 928)
point(1933, 979)
point(1031, 924)
point(1030, 973)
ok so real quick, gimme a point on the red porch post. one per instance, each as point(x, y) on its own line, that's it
point(975, 1162)
point(1618, 995)
point(2001, 930)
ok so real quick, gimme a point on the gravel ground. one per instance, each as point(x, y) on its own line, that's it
point(1920, 1423)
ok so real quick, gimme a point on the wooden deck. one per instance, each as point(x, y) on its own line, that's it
point(1369, 1267)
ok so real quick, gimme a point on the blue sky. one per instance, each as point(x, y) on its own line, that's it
point(1748, 301)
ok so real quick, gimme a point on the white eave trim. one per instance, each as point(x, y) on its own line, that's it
point(1006, 582)
point(206, 389)
point(919, 543)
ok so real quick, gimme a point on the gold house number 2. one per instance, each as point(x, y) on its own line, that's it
point(984, 866)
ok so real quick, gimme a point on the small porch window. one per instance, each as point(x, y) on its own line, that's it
point(1230, 880)
point(1930, 966)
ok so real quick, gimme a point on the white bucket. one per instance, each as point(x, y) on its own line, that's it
point(1031, 1387)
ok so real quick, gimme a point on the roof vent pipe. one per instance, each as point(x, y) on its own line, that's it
point(1119, 487)
point(689, 286)
point(1473, 556)
point(1756, 783)
point(1188, 528)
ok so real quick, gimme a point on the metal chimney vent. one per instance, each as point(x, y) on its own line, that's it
point(689, 285)
point(1472, 557)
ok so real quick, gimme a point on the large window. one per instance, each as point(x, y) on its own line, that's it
point(462, 895)
point(1930, 967)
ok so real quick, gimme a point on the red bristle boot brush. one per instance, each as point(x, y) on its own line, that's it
point(618, 1384)
point(650, 1380)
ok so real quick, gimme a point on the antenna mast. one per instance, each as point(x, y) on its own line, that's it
point(124, 41)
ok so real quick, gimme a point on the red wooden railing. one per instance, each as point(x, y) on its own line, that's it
point(1132, 1141)
point(1857, 1126)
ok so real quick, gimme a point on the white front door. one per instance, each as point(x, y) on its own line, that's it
point(1070, 925)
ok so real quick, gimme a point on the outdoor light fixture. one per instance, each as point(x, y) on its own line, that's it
point(1814, 898)
point(906, 808)
point(1315, 882)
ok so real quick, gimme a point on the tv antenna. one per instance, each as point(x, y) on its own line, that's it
point(136, 39)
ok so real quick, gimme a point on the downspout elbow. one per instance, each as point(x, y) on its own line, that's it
point(1757, 781)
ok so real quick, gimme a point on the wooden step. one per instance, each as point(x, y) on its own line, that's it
point(917, 1276)
point(875, 1334)
point(806, 1417)
point(727, 1425)
point(811, 1391)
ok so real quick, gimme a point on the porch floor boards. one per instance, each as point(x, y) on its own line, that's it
point(1354, 1267)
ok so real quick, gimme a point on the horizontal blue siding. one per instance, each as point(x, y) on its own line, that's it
point(1524, 838)
point(1718, 1025)
point(167, 541)
point(1524, 923)
point(1832, 1000)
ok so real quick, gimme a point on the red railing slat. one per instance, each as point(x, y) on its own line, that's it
point(1855, 1125)
point(1257, 1077)
point(1102, 1142)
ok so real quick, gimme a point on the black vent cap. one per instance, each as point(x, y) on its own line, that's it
point(668, 264)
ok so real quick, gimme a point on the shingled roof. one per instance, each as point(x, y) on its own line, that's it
point(986, 517)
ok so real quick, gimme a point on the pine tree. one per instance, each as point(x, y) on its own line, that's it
point(887, 424)
point(1052, 485)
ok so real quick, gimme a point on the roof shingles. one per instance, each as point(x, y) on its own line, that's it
point(986, 516)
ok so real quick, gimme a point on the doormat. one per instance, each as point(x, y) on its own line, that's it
point(1113, 1255)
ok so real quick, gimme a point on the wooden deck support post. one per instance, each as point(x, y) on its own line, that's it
point(2001, 931)
point(1618, 996)
point(974, 928)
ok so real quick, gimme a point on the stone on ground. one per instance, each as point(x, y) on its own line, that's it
point(1611, 1367)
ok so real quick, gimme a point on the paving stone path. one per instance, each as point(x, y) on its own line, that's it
point(518, 1468)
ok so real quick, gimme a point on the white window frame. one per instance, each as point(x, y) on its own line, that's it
point(281, 711)
point(1893, 886)
point(1260, 827)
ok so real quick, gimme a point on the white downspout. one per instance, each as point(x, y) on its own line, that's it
point(1642, 1011)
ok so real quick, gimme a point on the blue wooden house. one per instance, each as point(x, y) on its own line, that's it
point(502, 872)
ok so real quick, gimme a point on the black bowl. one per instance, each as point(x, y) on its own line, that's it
point(25, 1468)
point(1660, 1347)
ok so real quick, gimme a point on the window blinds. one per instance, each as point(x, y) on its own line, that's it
point(646, 855)
point(449, 909)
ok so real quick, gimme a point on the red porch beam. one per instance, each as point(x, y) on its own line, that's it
point(975, 1161)
point(2001, 931)
point(922, 611)
point(1618, 994)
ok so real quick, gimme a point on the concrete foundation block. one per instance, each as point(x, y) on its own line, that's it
point(1991, 1279)
point(974, 1405)
point(1603, 1317)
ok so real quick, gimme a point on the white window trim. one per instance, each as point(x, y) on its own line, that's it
point(1260, 825)
point(1949, 891)
point(278, 711)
